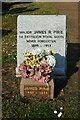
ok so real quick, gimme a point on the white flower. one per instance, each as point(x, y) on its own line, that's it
point(51, 60)
point(62, 90)
point(47, 51)
point(6, 43)
point(60, 114)
point(55, 112)
point(33, 52)
point(9, 54)
point(61, 108)
point(36, 52)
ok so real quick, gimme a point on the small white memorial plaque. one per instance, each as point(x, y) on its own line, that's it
point(45, 32)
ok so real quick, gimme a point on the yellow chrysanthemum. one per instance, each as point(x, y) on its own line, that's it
point(51, 51)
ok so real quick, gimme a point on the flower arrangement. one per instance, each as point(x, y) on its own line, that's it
point(38, 65)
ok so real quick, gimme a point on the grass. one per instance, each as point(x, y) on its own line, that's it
point(27, 109)
point(18, 107)
point(14, 106)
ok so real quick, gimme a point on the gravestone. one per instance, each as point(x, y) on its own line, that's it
point(45, 32)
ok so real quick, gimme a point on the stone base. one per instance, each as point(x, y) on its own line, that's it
point(31, 88)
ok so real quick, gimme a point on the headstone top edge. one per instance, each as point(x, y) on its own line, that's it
point(41, 16)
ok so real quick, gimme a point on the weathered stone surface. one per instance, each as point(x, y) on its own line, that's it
point(31, 88)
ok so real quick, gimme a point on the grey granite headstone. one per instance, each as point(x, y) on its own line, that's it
point(42, 31)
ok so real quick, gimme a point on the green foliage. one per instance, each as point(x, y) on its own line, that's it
point(9, 58)
point(18, 107)
point(72, 109)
